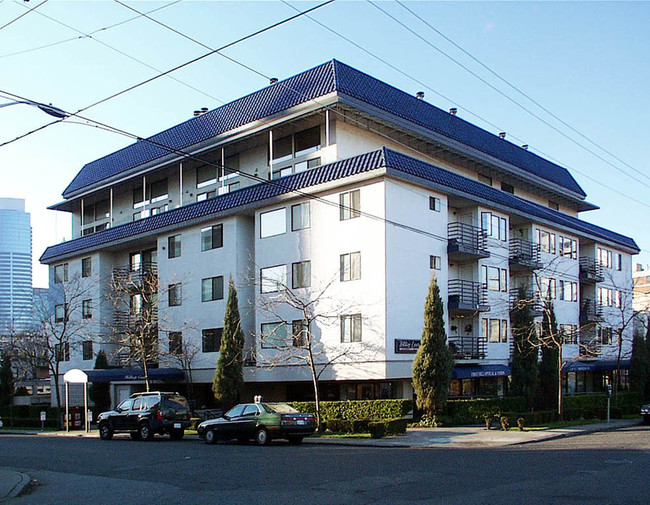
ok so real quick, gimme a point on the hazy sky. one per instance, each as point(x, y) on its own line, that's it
point(587, 63)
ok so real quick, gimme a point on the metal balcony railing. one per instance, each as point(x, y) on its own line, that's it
point(467, 296)
point(467, 346)
point(466, 241)
point(524, 254)
point(530, 299)
point(590, 311)
point(590, 270)
point(138, 274)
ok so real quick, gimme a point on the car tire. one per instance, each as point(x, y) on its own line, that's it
point(177, 434)
point(105, 431)
point(145, 432)
point(135, 435)
point(210, 437)
point(295, 440)
point(262, 436)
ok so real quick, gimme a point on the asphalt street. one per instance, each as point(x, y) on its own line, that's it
point(599, 468)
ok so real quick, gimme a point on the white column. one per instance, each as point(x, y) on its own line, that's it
point(180, 185)
point(111, 206)
point(270, 154)
point(327, 128)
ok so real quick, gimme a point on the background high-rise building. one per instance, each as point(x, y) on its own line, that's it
point(16, 293)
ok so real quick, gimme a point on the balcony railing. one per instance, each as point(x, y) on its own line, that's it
point(590, 311)
point(138, 274)
point(524, 254)
point(467, 296)
point(590, 270)
point(466, 242)
point(531, 300)
point(467, 346)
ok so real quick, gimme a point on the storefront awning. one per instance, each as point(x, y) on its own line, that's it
point(479, 371)
point(134, 374)
point(596, 366)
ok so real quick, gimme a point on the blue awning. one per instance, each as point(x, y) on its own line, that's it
point(134, 374)
point(480, 371)
point(596, 366)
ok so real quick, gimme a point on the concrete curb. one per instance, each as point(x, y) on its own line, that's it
point(584, 430)
point(12, 484)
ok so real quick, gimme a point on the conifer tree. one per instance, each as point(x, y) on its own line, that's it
point(524, 352)
point(229, 375)
point(6, 381)
point(433, 362)
point(549, 367)
point(100, 392)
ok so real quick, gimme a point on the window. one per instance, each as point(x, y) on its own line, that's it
point(87, 350)
point(211, 237)
point(174, 246)
point(350, 265)
point(300, 216)
point(548, 288)
point(508, 188)
point(205, 175)
point(569, 333)
point(175, 294)
point(274, 335)
point(212, 289)
point(605, 335)
point(605, 257)
point(175, 343)
point(87, 309)
point(211, 339)
point(618, 299)
point(301, 274)
point(60, 313)
point(206, 195)
point(273, 223)
point(619, 261)
point(307, 141)
point(568, 291)
point(61, 273)
point(485, 179)
point(299, 333)
point(136, 303)
point(553, 205)
point(568, 247)
point(155, 192)
point(495, 278)
point(546, 241)
point(350, 204)
point(286, 149)
point(494, 226)
point(86, 267)
point(434, 203)
point(435, 262)
point(62, 351)
point(273, 278)
point(351, 328)
point(495, 330)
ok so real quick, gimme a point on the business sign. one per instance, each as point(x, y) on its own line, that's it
point(406, 346)
point(489, 373)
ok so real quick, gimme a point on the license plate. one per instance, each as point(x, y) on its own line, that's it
point(302, 423)
point(177, 426)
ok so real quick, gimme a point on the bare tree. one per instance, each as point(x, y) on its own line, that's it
point(183, 353)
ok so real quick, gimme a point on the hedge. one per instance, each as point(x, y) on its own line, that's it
point(354, 410)
point(476, 410)
point(28, 411)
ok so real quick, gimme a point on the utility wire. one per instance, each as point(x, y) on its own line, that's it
point(506, 96)
point(23, 14)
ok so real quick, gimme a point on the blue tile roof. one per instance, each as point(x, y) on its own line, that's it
point(392, 160)
point(302, 88)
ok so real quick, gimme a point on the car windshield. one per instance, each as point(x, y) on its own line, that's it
point(280, 408)
point(177, 403)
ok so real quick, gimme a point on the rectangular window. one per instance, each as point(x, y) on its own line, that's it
point(351, 328)
point(605, 335)
point(485, 179)
point(61, 273)
point(301, 274)
point(548, 288)
point(605, 257)
point(307, 141)
point(174, 246)
point(212, 237)
point(136, 303)
point(175, 343)
point(300, 332)
point(60, 312)
point(619, 261)
point(503, 280)
point(618, 299)
point(508, 188)
point(546, 241)
point(87, 309)
point(273, 223)
point(211, 339)
point(86, 267)
point(435, 262)
point(350, 264)
point(87, 350)
point(175, 294)
point(553, 205)
point(274, 335)
point(495, 330)
point(205, 175)
point(300, 216)
point(494, 226)
point(494, 279)
point(273, 278)
point(569, 333)
point(504, 330)
point(206, 196)
point(212, 289)
point(350, 205)
point(62, 351)
point(434, 203)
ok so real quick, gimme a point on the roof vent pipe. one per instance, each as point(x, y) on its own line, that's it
point(453, 111)
point(200, 111)
point(420, 95)
point(502, 135)
point(273, 80)
point(525, 146)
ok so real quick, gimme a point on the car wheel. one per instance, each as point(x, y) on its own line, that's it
point(262, 437)
point(145, 432)
point(210, 437)
point(105, 431)
point(295, 440)
point(177, 434)
point(135, 435)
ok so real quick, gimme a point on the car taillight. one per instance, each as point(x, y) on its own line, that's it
point(159, 415)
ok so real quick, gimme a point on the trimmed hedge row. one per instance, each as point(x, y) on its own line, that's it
point(28, 411)
point(24, 422)
point(355, 410)
point(476, 410)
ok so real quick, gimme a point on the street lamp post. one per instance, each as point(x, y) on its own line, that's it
point(48, 109)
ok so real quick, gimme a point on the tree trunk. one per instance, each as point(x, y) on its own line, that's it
point(314, 377)
point(560, 366)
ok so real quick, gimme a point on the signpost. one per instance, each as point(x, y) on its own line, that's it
point(43, 416)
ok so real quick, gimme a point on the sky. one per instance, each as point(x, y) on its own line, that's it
point(570, 79)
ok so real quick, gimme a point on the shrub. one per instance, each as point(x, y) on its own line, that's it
point(358, 409)
point(377, 429)
point(395, 426)
point(476, 410)
point(521, 422)
point(340, 425)
point(505, 423)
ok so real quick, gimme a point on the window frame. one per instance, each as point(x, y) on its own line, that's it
point(273, 283)
point(298, 216)
point(301, 274)
point(351, 328)
point(349, 205)
point(265, 222)
point(211, 235)
point(87, 308)
point(214, 294)
point(281, 344)
point(60, 279)
point(175, 294)
point(86, 267)
point(347, 263)
point(175, 340)
point(87, 350)
point(174, 246)
point(213, 337)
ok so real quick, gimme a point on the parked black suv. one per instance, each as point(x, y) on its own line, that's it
point(145, 414)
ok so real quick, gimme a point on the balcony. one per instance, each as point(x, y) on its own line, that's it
point(467, 347)
point(467, 297)
point(590, 311)
point(524, 255)
point(531, 300)
point(140, 274)
point(466, 242)
point(591, 271)
point(590, 347)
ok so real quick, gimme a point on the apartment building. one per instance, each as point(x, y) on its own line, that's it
point(344, 193)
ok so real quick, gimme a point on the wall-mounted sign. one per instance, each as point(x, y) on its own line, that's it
point(406, 346)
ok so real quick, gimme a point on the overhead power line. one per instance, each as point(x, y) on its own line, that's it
point(23, 15)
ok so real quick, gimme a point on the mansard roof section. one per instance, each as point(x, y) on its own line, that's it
point(396, 163)
point(333, 76)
